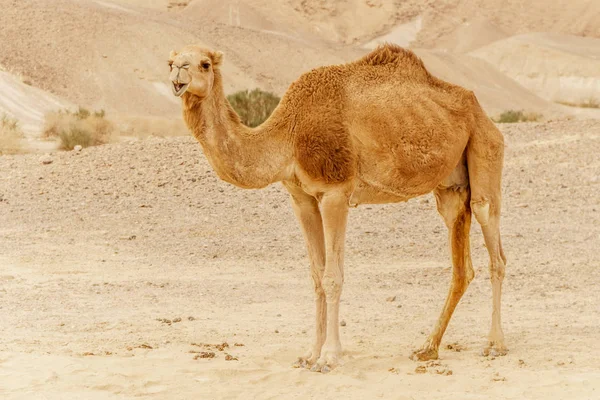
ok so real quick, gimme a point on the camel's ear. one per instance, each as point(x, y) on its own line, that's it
point(172, 55)
point(217, 58)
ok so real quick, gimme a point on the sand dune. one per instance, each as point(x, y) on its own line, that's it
point(360, 21)
point(113, 63)
point(26, 103)
point(471, 35)
point(256, 15)
point(574, 17)
point(495, 91)
point(118, 62)
point(556, 67)
point(130, 78)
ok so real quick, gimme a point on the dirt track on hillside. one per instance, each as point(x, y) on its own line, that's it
point(100, 249)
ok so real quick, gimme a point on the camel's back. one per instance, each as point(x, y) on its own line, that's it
point(388, 73)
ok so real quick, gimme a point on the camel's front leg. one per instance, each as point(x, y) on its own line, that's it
point(334, 208)
point(307, 211)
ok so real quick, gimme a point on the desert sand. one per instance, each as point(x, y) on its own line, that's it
point(101, 247)
point(131, 271)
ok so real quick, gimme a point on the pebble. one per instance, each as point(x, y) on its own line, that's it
point(46, 159)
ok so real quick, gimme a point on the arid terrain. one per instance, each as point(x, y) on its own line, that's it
point(129, 270)
point(101, 247)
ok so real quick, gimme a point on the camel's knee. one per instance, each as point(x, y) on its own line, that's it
point(481, 210)
point(332, 287)
point(497, 269)
point(460, 285)
point(319, 292)
point(317, 276)
point(461, 280)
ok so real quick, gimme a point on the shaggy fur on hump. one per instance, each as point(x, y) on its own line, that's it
point(392, 54)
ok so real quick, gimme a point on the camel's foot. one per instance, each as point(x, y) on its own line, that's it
point(330, 358)
point(494, 348)
point(308, 359)
point(425, 354)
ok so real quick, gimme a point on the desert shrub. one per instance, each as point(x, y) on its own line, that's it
point(253, 107)
point(10, 136)
point(80, 127)
point(512, 116)
point(591, 102)
point(82, 113)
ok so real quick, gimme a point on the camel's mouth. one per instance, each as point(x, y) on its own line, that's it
point(179, 88)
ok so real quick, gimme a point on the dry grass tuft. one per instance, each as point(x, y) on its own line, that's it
point(80, 127)
point(177, 4)
point(591, 102)
point(10, 136)
point(512, 116)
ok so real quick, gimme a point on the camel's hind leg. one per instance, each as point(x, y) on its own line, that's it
point(490, 226)
point(485, 158)
point(453, 205)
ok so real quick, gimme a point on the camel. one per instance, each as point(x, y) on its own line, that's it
point(381, 129)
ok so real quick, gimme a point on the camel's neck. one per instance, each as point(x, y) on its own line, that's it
point(245, 157)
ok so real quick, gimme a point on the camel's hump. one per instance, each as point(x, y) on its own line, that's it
point(393, 54)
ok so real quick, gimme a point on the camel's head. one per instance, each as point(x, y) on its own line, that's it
point(193, 70)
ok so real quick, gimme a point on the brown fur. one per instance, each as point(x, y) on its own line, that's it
point(381, 129)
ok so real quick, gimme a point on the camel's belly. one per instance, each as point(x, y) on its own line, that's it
point(375, 191)
point(367, 194)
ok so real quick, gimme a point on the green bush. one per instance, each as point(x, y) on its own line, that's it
point(80, 127)
point(512, 116)
point(253, 107)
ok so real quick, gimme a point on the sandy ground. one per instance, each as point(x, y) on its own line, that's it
point(119, 263)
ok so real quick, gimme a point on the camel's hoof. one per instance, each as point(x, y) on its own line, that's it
point(321, 368)
point(493, 349)
point(328, 361)
point(307, 360)
point(424, 355)
point(300, 363)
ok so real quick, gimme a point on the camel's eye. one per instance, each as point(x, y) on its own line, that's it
point(171, 66)
point(205, 65)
